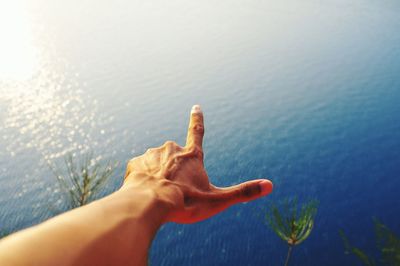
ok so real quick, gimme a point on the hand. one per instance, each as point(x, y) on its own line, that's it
point(177, 177)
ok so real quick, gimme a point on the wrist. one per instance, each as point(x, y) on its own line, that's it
point(142, 205)
point(152, 195)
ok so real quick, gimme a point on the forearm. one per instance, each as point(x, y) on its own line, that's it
point(116, 230)
point(168, 183)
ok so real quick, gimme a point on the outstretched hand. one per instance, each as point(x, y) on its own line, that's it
point(166, 184)
point(177, 177)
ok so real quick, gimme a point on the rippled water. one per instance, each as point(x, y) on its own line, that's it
point(304, 92)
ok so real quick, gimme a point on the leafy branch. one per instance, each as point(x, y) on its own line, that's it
point(82, 179)
point(291, 224)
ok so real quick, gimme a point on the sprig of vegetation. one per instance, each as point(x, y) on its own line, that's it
point(388, 245)
point(291, 224)
point(360, 254)
point(81, 179)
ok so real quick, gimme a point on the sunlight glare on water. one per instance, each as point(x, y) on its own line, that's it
point(44, 111)
point(18, 55)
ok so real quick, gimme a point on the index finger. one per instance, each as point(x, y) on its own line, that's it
point(196, 128)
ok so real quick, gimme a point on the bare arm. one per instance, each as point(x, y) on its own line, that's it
point(116, 230)
point(166, 184)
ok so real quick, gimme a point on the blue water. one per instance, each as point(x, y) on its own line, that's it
point(305, 93)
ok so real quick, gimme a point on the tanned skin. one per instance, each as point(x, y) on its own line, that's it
point(166, 184)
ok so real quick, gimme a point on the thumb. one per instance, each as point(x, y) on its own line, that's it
point(218, 199)
point(243, 192)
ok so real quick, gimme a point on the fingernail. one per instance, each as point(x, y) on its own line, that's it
point(196, 109)
point(266, 187)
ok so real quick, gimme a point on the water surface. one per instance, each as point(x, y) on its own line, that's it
point(305, 93)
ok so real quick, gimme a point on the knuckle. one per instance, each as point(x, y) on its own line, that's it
point(132, 161)
point(169, 143)
point(198, 128)
point(164, 183)
point(199, 153)
point(248, 191)
point(153, 150)
point(196, 152)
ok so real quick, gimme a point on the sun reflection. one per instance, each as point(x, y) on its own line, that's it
point(44, 109)
point(18, 55)
point(42, 103)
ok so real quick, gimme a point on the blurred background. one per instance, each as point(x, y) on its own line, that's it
point(305, 93)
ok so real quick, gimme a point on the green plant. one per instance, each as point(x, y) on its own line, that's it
point(81, 179)
point(387, 243)
point(291, 224)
